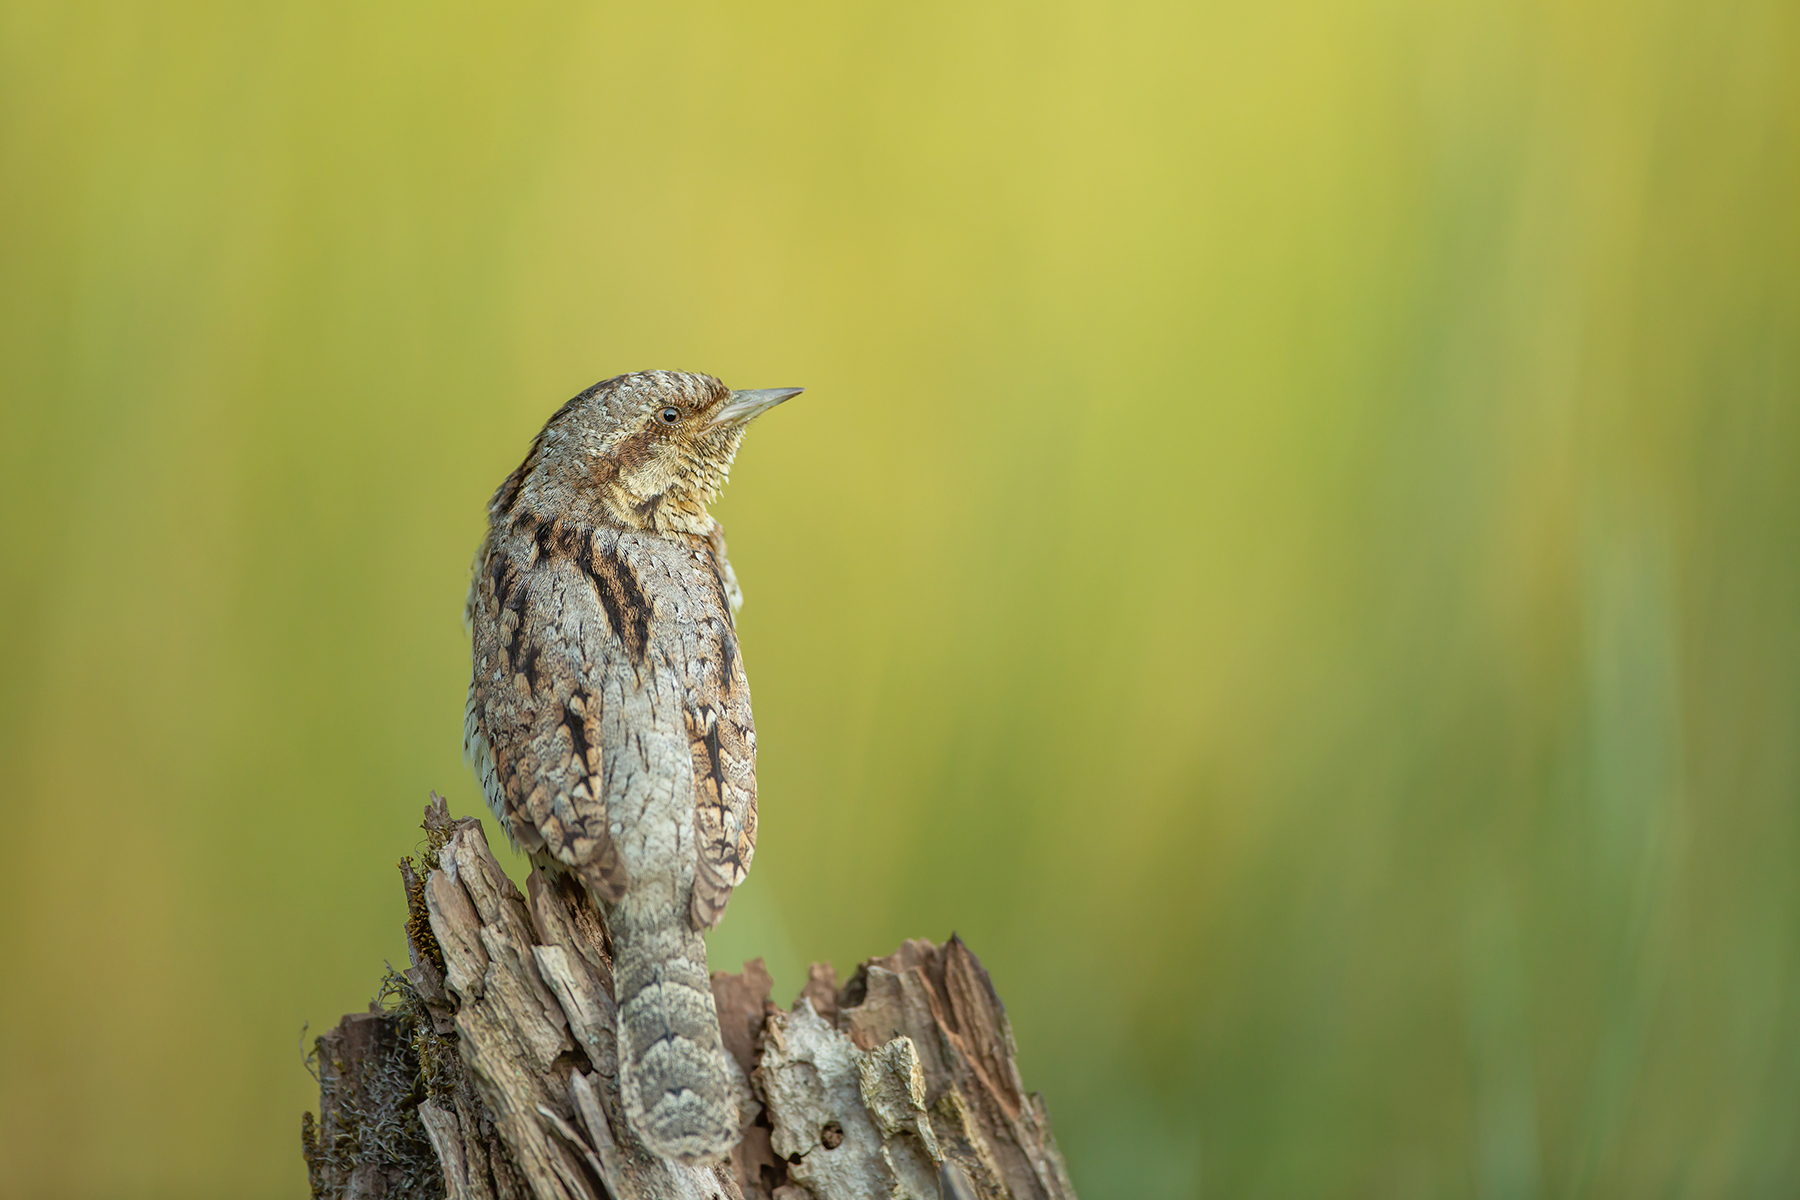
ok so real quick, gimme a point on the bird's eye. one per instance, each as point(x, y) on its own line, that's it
point(670, 415)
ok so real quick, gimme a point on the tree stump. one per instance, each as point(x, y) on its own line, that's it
point(488, 1070)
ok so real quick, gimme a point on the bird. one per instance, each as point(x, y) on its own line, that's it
point(609, 714)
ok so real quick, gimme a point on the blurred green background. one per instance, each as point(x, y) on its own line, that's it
point(1291, 546)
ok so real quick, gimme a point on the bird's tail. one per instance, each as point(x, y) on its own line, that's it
point(674, 1076)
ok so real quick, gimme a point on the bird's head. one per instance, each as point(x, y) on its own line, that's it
point(644, 451)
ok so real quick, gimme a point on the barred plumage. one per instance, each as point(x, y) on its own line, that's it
point(609, 715)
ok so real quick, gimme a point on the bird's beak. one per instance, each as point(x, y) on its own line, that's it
point(744, 407)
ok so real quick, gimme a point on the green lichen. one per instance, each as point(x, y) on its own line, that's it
point(370, 1109)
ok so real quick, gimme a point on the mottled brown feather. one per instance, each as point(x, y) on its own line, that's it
point(609, 714)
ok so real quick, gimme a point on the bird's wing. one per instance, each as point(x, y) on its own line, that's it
point(535, 620)
point(722, 740)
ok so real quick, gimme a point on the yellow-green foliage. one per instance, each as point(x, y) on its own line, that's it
point(1291, 545)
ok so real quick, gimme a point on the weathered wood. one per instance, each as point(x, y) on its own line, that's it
point(490, 1070)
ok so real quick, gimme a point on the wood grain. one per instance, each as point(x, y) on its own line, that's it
point(492, 1072)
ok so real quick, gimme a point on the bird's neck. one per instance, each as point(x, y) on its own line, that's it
point(670, 513)
point(676, 518)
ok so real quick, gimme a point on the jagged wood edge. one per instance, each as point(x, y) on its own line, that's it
point(904, 1082)
point(536, 1025)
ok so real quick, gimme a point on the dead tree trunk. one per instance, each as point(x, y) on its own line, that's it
point(489, 1069)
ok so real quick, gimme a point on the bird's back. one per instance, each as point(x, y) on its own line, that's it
point(609, 717)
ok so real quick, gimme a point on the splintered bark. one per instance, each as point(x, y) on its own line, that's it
point(489, 1069)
